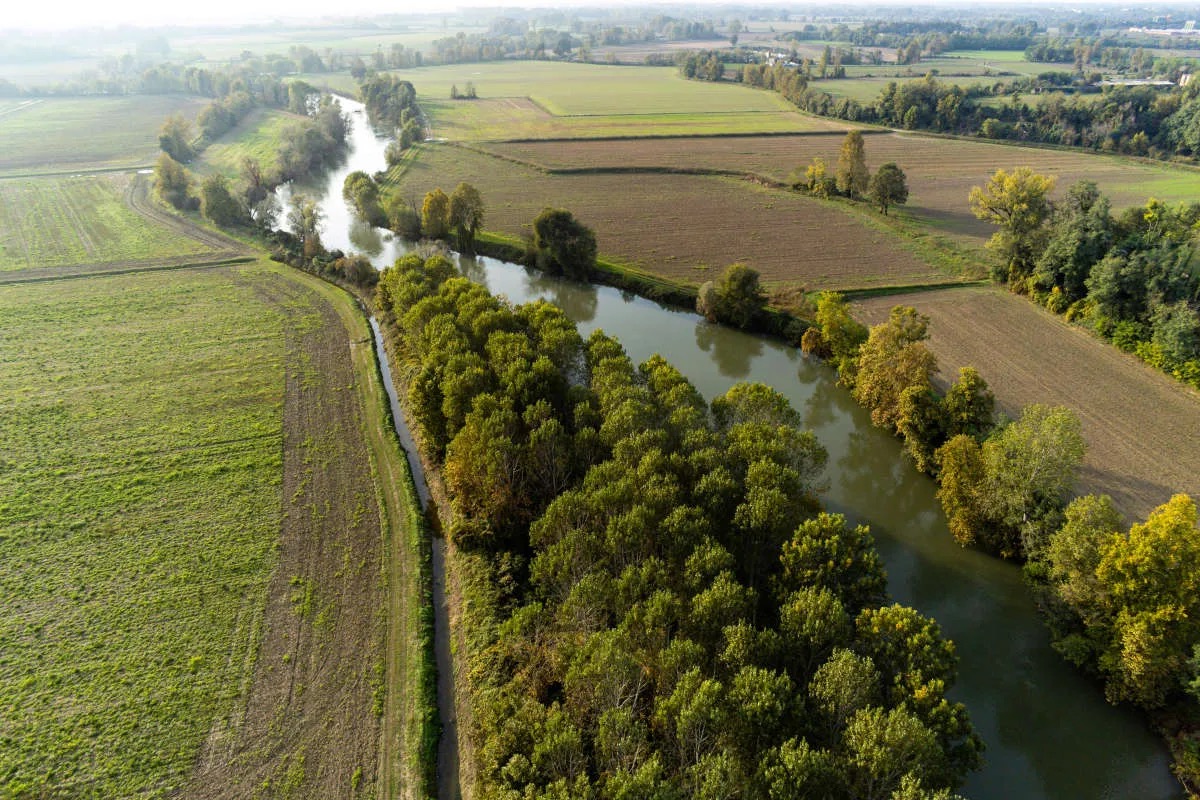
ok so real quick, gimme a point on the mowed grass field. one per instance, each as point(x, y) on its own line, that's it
point(87, 133)
point(63, 220)
point(537, 99)
point(141, 435)
point(940, 172)
point(685, 227)
point(257, 137)
point(1140, 425)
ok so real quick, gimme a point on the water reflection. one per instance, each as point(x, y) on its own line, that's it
point(578, 300)
point(732, 355)
point(366, 238)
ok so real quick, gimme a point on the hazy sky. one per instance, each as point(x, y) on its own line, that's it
point(86, 13)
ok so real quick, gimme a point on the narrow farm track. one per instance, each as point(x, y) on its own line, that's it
point(138, 197)
point(308, 723)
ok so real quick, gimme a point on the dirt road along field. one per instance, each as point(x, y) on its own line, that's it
point(309, 725)
point(1140, 425)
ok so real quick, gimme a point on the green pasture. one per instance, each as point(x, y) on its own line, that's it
point(140, 466)
point(565, 89)
point(60, 220)
point(257, 137)
point(87, 133)
point(500, 120)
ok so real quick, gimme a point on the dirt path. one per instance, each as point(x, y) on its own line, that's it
point(1140, 425)
point(137, 196)
point(310, 725)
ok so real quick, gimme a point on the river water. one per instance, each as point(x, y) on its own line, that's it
point(1050, 734)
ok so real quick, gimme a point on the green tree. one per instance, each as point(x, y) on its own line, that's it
point(218, 204)
point(817, 179)
point(826, 552)
point(842, 332)
point(962, 487)
point(172, 181)
point(882, 748)
point(1073, 554)
point(435, 215)
point(1152, 580)
point(175, 138)
point(892, 360)
point(852, 173)
point(304, 220)
point(1032, 465)
point(563, 245)
point(737, 298)
point(466, 215)
point(888, 187)
point(362, 192)
point(1019, 203)
point(969, 406)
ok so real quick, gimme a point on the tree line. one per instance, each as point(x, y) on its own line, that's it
point(1130, 277)
point(1121, 602)
point(664, 610)
point(306, 147)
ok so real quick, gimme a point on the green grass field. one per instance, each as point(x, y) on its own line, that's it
point(591, 89)
point(256, 137)
point(56, 221)
point(68, 135)
point(141, 440)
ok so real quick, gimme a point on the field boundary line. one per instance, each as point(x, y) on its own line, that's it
point(633, 138)
point(58, 173)
point(22, 277)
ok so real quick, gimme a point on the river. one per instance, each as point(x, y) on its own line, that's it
point(1050, 734)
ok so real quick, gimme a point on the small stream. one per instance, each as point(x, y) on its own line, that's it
point(1049, 732)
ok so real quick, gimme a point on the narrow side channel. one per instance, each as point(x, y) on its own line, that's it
point(447, 757)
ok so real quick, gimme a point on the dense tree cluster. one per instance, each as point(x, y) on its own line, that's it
point(392, 104)
point(669, 614)
point(1130, 276)
point(1125, 605)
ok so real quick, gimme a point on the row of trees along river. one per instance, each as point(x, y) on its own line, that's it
point(1048, 731)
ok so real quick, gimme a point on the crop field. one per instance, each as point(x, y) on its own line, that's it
point(271, 39)
point(189, 528)
point(940, 172)
point(141, 435)
point(57, 221)
point(534, 99)
point(67, 135)
point(685, 226)
point(257, 137)
point(1029, 355)
point(521, 118)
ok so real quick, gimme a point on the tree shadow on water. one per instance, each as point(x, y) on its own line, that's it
point(732, 351)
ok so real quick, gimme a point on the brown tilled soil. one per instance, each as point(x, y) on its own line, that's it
point(1140, 425)
point(940, 172)
point(308, 727)
point(685, 227)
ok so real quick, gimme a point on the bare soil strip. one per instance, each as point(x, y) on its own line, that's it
point(1140, 425)
point(310, 722)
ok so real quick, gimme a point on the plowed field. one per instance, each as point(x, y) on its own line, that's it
point(685, 226)
point(1140, 425)
point(940, 172)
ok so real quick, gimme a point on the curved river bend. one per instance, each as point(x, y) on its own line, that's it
point(1050, 734)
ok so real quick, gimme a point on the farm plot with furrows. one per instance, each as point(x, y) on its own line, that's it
point(189, 541)
point(683, 226)
point(60, 221)
point(67, 135)
point(140, 438)
point(1140, 425)
point(940, 172)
